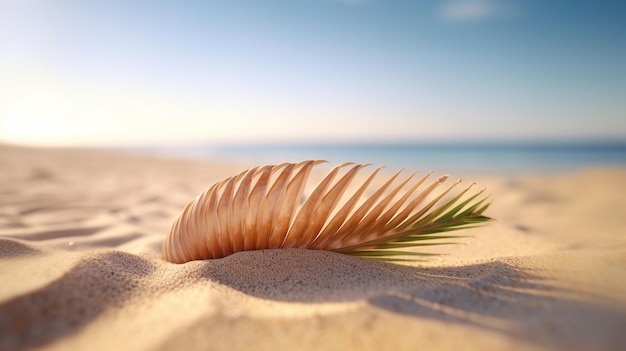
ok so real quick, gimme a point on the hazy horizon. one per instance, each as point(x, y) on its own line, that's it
point(443, 142)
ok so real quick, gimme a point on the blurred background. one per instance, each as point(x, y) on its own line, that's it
point(502, 84)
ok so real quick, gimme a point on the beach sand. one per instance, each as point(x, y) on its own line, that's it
point(80, 268)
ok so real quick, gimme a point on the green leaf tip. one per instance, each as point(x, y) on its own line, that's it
point(460, 212)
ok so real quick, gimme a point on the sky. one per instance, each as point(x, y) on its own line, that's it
point(104, 73)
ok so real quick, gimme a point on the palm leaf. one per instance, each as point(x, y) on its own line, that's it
point(260, 209)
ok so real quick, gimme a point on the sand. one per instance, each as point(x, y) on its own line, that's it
point(80, 268)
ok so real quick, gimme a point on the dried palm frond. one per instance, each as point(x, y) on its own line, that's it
point(261, 208)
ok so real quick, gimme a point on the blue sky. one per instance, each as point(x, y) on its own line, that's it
point(145, 72)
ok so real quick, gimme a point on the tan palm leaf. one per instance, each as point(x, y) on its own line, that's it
point(261, 208)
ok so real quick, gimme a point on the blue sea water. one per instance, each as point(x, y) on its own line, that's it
point(446, 157)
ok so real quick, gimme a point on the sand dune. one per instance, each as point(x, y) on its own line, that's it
point(80, 268)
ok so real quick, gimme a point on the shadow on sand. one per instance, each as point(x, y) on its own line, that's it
point(498, 296)
point(66, 305)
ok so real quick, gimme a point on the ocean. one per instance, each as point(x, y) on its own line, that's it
point(444, 157)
